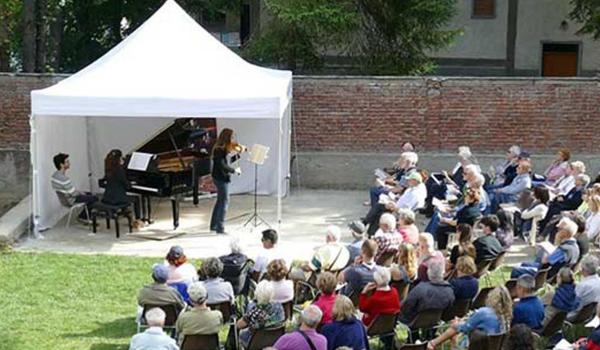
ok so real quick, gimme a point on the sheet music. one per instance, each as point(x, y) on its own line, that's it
point(258, 154)
point(139, 161)
point(380, 174)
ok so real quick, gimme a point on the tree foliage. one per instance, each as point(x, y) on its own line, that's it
point(382, 36)
point(588, 13)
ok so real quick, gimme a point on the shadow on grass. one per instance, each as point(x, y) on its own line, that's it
point(103, 346)
point(116, 329)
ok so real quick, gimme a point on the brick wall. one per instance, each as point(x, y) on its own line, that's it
point(15, 107)
point(375, 114)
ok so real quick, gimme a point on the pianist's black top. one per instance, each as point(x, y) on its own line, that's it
point(220, 169)
point(115, 192)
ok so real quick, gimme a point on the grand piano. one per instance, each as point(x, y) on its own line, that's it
point(180, 156)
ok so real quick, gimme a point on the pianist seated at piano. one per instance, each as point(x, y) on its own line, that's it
point(117, 185)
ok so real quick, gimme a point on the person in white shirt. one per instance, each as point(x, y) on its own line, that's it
point(592, 223)
point(588, 288)
point(536, 212)
point(269, 252)
point(563, 185)
point(153, 337)
point(414, 196)
point(180, 270)
point(283, 289)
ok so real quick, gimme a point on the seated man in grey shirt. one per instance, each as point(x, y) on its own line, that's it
point(218, 289)
point(62, 183)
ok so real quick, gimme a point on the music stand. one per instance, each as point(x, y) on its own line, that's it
point(258, 154)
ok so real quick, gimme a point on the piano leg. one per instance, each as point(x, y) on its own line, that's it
point(149, 209)
point(175, 207)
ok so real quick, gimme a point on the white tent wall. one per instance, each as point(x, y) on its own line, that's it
point(54, 135)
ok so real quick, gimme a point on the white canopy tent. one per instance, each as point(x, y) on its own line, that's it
point(170, 67)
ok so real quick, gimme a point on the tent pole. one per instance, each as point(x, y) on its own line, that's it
point(34, 178)
point(279, 153)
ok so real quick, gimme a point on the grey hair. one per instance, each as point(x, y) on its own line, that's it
point(584, 179)
point(579, 165)
point(197, 292)
point(479, 180)
point(235, 246)
point(527, 282)
point(568, 225)
point(515, 150)
point(334, 232)
point(406, 215)
point(472, 167)
point(212, 267)
point(382, 276)
point(428, 238)
point(435, 270)
point(311, 316)
point(155, 317)
point(465, 152)
point(388, 219)
point(264, 292)
point(589, 265)
point(410, 157)
point(565, 275)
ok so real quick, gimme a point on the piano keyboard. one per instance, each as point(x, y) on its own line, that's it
point(144, 188)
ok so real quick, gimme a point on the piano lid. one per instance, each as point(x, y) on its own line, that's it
point(185, 133)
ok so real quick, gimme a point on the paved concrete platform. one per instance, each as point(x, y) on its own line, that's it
point(306, 214)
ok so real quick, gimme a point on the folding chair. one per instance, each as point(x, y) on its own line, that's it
point(583, 316)
point(427, 319)
point(459, 308)
point(422, 346)
point(511, 285)
point(62, 198)
point(229, 317)
point(554, 325)
point(540, 278)
point(497, 262)
point(263, 338)
point(482, 268)
point(481, 297)
point(382, 325)
point(170, 311)
point(200, 342)
point(402, 288)
point(288, 309)
point(479, 341)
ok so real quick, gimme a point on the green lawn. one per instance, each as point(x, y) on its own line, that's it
point(63, 301)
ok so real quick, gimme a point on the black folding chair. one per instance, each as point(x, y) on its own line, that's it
point(554, 325)
point(171, 311)
point(264, 338)
point(459, 308)
point(585, 315)
point(481, 297)
point(200, 342)
point(426, 319)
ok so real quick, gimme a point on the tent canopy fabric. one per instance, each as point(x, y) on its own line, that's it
point(170, 67)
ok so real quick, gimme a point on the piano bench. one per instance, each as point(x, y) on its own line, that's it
point(111, 212)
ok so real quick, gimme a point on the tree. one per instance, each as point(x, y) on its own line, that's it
point(9, 27)
point(587, 12)
point(379, 36)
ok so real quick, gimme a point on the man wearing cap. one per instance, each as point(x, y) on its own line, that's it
point(357, 229)
point(159, 293)
point(200, 319)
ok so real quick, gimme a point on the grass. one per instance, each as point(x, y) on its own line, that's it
point(63, 301)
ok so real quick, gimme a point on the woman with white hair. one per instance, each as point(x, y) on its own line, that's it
point(378, 298)
point(200, 319)
point(261, 313)
point(387, 238)
point(218, 289)
point(426, 255)
point(407, 164)
point(563, 185)
point(235, 266)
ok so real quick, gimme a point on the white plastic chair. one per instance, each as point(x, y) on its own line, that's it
point(72, 208)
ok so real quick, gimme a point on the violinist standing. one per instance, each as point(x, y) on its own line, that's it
point(225, 150)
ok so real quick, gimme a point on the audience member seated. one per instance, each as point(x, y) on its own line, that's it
point(529, 310)
point(571, 201)
point(306, 337)
point(564, 184)
point(467, 214)
point(261, 313)
point(153, 337)
point(62, 183)
point(378, 298)
point(326, 283)
point(405, 268)
point(508, 170)
point(593, 341)
point(520, 337)
point(528, 219)
point(387, 238)
point(361, 272)
point(346, 329)
point(464, 247)
point(465, 286)
point(494, 318)
point(283, 289)
point(200, 319)
point(180, 270)
point(332, 256)
point(435, 294)
point(588, 288)
point(407, 165)
point(559, 167)
point(235, 267)
point(270, 251)
point(511, 193)
point(406, 226)
point(505, 232)
point(218, 289)
point(487, 247)
point(566, 253)
point(412, 198)
point(357, 229)
point(565, 298)
point(592, 223)
point(426, 255)
point(117, 185)
point(159, 293)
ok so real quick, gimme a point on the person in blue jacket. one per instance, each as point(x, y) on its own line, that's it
point(346, 329)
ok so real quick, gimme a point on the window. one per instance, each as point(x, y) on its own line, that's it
point(484, 9)
point(560, 60)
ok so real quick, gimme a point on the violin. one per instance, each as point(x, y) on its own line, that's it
point(237, 148)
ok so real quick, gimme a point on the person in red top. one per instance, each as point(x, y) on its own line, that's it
point(378, 297)
point(326, 282)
